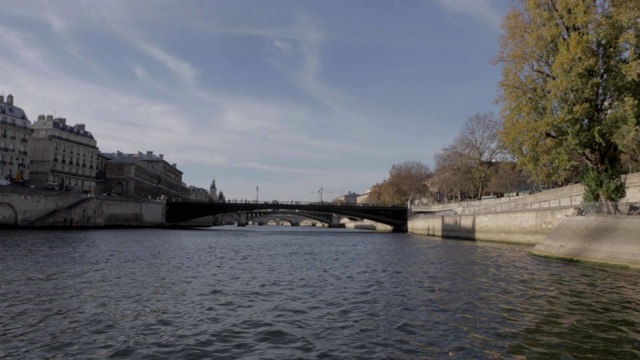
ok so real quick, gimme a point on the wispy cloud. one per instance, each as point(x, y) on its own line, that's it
point(20, 48)
point(484, 10)
point(180, 68)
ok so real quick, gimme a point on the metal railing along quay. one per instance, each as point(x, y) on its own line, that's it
point(510, 206)
point(580, 208)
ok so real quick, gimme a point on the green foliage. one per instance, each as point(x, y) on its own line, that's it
point(570, 88)
point(603, 186)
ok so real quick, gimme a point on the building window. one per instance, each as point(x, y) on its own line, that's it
point(119, 190)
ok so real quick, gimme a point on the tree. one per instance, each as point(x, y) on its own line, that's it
point(451, 174)
point(466, 162)
point(383, 194)
point(570, 89)
point(505, 178)
point(480, 142)
point(407, 182)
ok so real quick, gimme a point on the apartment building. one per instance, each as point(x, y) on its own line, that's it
point(62, 156)
point(15, 133)
point(143, 175)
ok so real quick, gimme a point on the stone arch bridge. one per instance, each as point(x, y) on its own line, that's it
point(291, 217)
point(179, 211)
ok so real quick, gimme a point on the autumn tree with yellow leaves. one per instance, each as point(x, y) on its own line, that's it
point(570, 90)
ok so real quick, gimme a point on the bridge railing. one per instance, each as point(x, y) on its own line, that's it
point(579, 208)
point(566, 201)
point(281, 202)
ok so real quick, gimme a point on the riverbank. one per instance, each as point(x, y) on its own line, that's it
point(545, 220)
point(557, 233)
point(611, 240)
point(36, 208)
point(528, 227)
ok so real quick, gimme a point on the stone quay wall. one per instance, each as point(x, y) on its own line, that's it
point(23, 207)
point(601, 239)
point(522, 227)
point(553, 229)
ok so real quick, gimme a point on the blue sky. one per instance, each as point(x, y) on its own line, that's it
point(287, 96)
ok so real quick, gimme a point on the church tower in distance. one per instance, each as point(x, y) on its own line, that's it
point(213, 191)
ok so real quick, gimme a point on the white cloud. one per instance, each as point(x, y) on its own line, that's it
point(183, 70)
point(282, 45)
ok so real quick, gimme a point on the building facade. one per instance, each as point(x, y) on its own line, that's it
point(350, 198)
point(62, 156)
point(15, 135)
point(143, 175)
point(199, 194)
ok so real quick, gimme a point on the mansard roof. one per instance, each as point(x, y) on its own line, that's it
point(12, 110)
point(49, 122)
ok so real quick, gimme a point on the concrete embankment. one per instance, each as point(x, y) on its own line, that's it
point(606, 239)
point(545, 220)
point(521, 227)
point(613, 240)
point(32, 208)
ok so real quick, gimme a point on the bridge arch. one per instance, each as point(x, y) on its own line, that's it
point(8, 215)
point(295, 218)
point(395, 216)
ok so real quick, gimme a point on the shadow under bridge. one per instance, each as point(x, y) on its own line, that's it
point(179, 211)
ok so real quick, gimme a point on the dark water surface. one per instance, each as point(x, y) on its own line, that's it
point(282, 293)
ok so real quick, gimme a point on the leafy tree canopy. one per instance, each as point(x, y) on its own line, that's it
point(407, 181)
point(570, 89)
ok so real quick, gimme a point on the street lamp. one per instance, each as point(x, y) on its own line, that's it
point(257, 191)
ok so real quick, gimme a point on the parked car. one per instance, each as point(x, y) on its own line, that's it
point(4, 182)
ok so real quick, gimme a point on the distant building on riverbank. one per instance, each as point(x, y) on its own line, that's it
point(51, 154)
point(349, 198)
point(62, 156)
point(15, 133)
point(143, 175)
point(199, 194)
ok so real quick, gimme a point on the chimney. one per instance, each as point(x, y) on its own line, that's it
point(10, 99)
point(161, 156)
point(174, 165)
point(62, 121)
point(1, 98)
point(79, 127)
point(41, 117)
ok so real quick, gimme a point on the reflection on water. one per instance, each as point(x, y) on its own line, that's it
point(273, 292)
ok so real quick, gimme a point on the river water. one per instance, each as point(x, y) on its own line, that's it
point(284, 293)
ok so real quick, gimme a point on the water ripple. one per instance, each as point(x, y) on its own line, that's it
point(303, 293)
